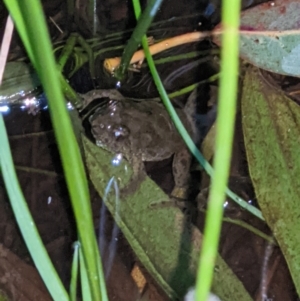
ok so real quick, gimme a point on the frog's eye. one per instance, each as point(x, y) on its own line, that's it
point(121, 131)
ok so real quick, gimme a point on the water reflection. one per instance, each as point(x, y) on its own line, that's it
point(31, 104)
point(209, 10)
point(4, 109)
point(112, 247)
point(49, 200)
point(117, 159)
point(118, 85)
point(225, 204)
point(251, 202)
point(264, 284)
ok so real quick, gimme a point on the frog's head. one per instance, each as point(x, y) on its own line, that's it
point(107, 128)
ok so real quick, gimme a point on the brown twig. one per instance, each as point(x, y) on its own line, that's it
point(9, 28)
point(111, 64)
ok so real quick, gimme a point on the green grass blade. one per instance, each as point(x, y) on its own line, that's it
point(43, 59)
point(142, 26)
point(25, 221)
point(223, 145)
point(85, 288)
point(15, 11)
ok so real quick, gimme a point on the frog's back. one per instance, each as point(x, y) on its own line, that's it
point(156, 138)
point(141, 129)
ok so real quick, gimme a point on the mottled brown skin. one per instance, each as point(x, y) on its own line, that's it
point(141, 131)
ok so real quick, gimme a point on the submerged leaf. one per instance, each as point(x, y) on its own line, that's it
point(271, 125)
point(270, 36)
point(19, 81)
point(164, 241)
point(275, 15)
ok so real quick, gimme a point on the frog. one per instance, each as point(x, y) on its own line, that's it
point(142, 131)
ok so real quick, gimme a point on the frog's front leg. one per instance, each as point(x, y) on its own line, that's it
point(137, 177)
point(181, 172)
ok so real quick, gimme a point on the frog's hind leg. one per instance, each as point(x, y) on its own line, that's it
point(181, 172)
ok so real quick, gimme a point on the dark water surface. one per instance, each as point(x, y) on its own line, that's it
point(37, 161)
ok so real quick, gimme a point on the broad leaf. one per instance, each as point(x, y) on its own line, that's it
point(270, 36)
point(271, 125)
point(19, 80)
point(165, 243)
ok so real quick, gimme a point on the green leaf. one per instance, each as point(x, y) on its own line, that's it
point(276, 50)
point(270, 37)
point(166, 244)
point(281, 15)
point(271, 125)
point(278, 53)
point(19, 79)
